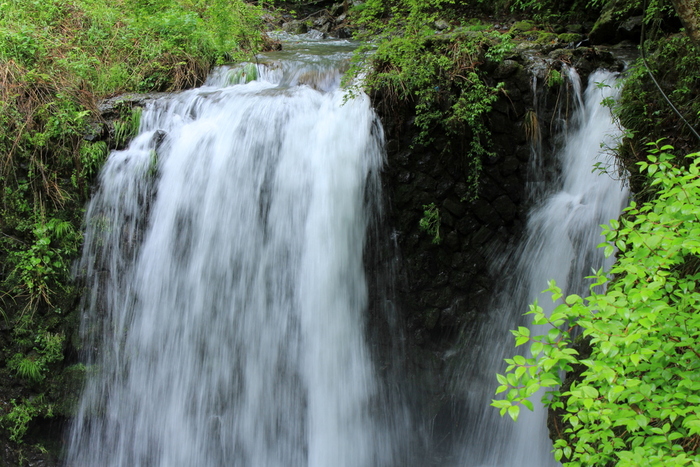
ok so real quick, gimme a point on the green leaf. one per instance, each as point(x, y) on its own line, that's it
point(513, 412)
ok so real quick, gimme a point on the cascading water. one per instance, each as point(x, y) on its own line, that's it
point(224, 261)
point(560, 243)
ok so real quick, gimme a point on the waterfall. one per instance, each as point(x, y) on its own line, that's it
point(228, 299)
point(226, 293)
point(560, 243)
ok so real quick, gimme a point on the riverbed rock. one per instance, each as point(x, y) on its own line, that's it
point(295, 27)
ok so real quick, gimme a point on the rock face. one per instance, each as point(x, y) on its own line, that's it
point(331, 21)
point(618, 21)
point(445, 289)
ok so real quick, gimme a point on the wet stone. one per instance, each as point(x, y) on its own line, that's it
point(467, 225)
point(509, 165)
point(505, 208)
point(483, 211)
point(452, 241)
point(432, 316)
point(445, 184)
point(455, 207)
point(447, 219)
point(506, 69)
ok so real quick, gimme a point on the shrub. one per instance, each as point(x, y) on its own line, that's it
point(636, 401)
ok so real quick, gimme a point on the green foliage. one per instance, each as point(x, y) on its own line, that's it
point(557, 11)
point(17, 420)
point(116, 47)
point(554, 11)
point(40, 269)
point(430, 222)
point(439, 73)
point(636, 401)
point(675, 63)
point(244, 73)
point(48, 349)
point(554, 78)
point(92, 156)
point(128, 127)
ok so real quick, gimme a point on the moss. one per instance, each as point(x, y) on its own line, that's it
point(546, 38)
point(568, 38)
point(66, 390)
point(522, 26)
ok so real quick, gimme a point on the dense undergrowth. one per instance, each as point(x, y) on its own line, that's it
point(57, 59)
point(440, 76)
point(631, 395)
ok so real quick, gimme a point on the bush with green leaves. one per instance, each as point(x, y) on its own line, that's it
point(46, 349)
point(439, 74)
point(430, 222)
point(637, 399)
point(17, 420)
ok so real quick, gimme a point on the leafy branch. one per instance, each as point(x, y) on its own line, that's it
point(636, 400)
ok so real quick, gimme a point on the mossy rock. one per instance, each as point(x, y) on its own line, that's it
point(68, 388)
point(546, 38)
point(522, 26)
point(566, 55)
point(613, 15)
point(431, 318)
point(568, 38)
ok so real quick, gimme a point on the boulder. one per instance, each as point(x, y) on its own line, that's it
point(608, 29)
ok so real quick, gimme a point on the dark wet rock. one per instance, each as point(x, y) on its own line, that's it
point(505, 208)
point(295, 27)
point(609, 29)
point(111, 109)
point(631, 29)
point(96, 131)
point(455, 207)
point(506, 68)
point(322, 21)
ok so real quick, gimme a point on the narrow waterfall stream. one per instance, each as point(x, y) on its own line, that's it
point(227, 294)
point(560, 243)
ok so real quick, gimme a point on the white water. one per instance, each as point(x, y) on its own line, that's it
point(560, 243)
point(227, 294)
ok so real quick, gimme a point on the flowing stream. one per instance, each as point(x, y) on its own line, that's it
point(227, 293)
point(560, 244)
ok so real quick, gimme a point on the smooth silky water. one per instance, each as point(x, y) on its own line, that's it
point(225, 313)
point(560, 243)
